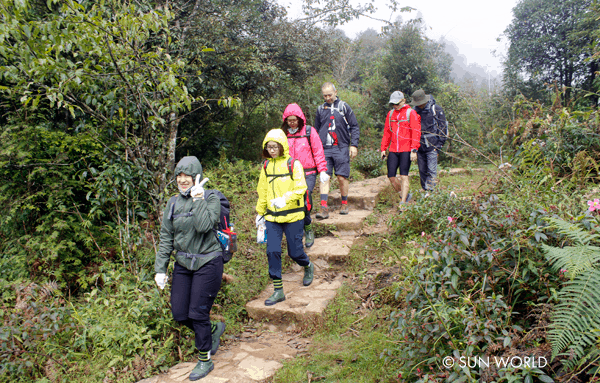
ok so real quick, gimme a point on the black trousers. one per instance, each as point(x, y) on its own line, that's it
point(192, 296)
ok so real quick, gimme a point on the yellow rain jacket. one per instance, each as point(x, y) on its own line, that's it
point(275, 181)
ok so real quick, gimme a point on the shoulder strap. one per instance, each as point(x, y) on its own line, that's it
point(290, 163)
point(172, 201)
point(290, 166)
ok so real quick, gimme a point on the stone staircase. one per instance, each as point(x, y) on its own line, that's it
point(260, 353)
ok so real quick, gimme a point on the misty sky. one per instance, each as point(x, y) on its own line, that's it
point(472, 25)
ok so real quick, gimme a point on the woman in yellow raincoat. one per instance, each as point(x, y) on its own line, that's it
point(281, 189)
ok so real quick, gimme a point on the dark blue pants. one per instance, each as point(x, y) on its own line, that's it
point(311, 180)
point(427, 161)
point(293, 234)
point(192, 296)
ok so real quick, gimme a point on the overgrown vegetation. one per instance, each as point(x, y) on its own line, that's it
point(99, 100)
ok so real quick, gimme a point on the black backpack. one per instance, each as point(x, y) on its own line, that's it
point(441, 126)
point(224, 231)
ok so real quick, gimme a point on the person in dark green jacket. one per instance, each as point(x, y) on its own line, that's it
point(187, 229)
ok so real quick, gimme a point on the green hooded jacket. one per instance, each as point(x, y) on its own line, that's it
point(190, 229)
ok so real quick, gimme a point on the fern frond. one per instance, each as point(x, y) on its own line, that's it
point(574, 232)
point(576, 319)
point(573, 258)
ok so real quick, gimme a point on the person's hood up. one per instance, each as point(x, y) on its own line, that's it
point(277, 135)
point(189, 165)
point(294, 110)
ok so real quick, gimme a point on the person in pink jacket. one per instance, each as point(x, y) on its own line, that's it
point(305, 146)
point(401, 134)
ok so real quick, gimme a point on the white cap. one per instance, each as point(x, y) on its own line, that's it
point(396, 97)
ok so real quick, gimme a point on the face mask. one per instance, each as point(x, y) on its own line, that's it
point(293, 131)
point(184, 193)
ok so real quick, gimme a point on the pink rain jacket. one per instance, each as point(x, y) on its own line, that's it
point(300, 149)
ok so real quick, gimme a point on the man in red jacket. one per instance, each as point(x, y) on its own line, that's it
point(401, 134)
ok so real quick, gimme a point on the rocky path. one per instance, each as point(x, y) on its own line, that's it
point(261, 350)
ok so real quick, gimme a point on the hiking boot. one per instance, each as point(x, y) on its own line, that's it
point(323, 214)
point(216, 337)
point(202, 369)
point(344, 209)
point(309, 272)
point(277, 296)
point(309, 236)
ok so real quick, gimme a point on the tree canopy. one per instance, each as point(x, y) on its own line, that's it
point(550, 43)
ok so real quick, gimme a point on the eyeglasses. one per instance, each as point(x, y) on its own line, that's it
point(269, 147)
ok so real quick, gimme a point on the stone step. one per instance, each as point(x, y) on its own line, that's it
point(334, 250)
point(301, 304)
point(255, 359)
point(353, 221)
point(361, 194)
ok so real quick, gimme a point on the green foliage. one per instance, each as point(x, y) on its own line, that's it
point(45, 233)
point(369, 162)
point(411, 62)
point(556, 144)
point(34, 326)
point(559, 55)
point(576, 320)
point(468, 291)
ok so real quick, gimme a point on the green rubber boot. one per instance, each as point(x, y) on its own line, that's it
point(216, 337)
point(202, 369)
point(309, 272)
point(309, 236)
point(277, 296)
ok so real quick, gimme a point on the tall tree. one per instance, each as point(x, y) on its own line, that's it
point(412, 61)
point(545, 46)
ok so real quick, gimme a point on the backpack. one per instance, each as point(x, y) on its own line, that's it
point(224, 231)
point(440, 127)
point(340, 109)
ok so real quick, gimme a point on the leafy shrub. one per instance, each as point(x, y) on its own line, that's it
point(369, 163)
point(472, 286)
point(35, 328)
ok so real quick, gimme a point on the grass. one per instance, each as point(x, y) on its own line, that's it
point(347, 348)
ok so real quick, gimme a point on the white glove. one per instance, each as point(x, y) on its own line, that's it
point(278, 202)
point(324, 177)
point(413, 156)
point(383, 154)
point(353, 152)
point(161, 280)
point(197, 191)
point(260, 220)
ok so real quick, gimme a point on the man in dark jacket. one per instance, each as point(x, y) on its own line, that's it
point(434, 131)
point(338, 129)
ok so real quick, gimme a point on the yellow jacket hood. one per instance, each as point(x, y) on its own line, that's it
point(278, 135)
